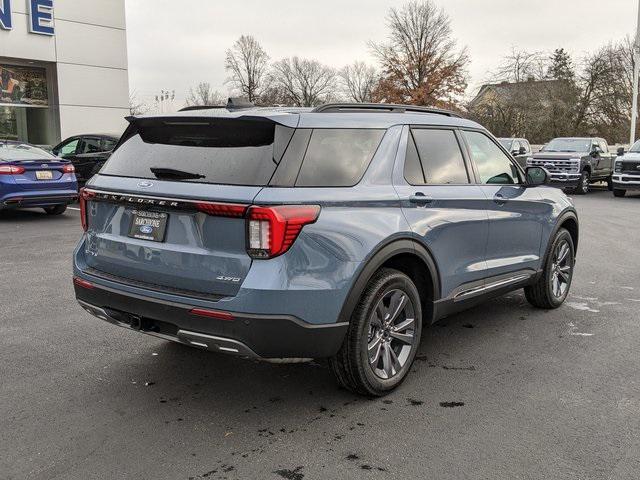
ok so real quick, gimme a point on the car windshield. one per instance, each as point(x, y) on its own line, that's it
point(568, 145)
point(635, 148)
point(505, 142)
point(12, 152)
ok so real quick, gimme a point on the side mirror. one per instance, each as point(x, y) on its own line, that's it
point(620, 151)
point(522, 151)
point(537, 176)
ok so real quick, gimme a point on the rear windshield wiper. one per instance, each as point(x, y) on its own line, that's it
point(174, 174)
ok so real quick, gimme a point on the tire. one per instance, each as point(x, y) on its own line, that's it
point(57, 210)
point(373, 360)
point(619, 193)
point(583, 184)
point(546, 293)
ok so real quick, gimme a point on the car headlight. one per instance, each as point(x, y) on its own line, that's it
point(618, 167)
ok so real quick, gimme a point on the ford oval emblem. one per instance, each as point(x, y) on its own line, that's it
point(145, 184)
point(146, 229)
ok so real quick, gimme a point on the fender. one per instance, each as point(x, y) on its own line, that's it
point(567, 214)
point(373, 263)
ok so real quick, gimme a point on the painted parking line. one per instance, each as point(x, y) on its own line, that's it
point(73, 208)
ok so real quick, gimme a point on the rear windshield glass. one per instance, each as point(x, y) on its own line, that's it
point(22, 152)
point(221, 151)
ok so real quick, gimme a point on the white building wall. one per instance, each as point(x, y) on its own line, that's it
point(89, 50)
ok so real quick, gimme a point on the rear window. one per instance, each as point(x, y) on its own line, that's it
point(23, 152)
point(221, 151)
point(338, 157)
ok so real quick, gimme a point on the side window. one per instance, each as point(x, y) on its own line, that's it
point(90, 145)
point(526, 146)
point(494, 167)
point(338, 157)
point(440, 156)
point(516, 147)
point(108, 144)
point(604, 147)
point(69, 148)
point(412, 168)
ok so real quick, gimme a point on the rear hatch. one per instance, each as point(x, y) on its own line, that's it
point(167, 210)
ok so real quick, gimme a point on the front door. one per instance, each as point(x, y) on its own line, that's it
point(444, 207)
point(516, 213)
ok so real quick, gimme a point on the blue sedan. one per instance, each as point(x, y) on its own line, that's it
point(31, 177)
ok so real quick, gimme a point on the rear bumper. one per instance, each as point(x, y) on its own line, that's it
point(260, 336)
point(38, 199)
point(626, 182)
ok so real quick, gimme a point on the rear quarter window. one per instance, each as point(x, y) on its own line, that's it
point(338, 157)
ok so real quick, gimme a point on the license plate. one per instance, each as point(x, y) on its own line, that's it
point(44, 175)
point(148, 225)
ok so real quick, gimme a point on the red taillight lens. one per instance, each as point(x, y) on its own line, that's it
point(222, 209)
point(68, 169)
point(11, 170)
point(84, 196)
point(272, 230)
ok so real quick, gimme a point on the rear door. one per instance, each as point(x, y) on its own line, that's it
point(444, 207)
point(166, 212)
point(516, 213)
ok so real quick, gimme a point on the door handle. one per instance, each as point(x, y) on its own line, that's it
point(420, 199)
point(499, 199)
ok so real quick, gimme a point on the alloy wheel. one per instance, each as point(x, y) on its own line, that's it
point(392, 334)
point(561, 269)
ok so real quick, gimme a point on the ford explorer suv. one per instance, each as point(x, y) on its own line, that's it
point(293, 234)
point(576, 163)
point(626, 175)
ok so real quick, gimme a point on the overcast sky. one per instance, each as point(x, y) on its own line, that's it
point(176, 44)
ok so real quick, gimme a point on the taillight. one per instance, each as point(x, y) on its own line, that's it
point(272, 230)
point(84, 196)
point(68, 169)
point(11, 170)
point(83, 283)
point(222, 209)
point(203, 312)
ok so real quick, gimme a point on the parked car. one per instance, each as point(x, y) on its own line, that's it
point(31, 177)
point(576, 163)
point(339, 232)
point(626, 175)
point(518, 147)
point(87, 153)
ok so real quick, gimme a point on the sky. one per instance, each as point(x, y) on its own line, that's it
point(175, 44)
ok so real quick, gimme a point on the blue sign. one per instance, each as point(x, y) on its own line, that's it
point(5, 15)
point(40, 16)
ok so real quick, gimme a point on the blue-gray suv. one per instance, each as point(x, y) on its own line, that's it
point(339, 232)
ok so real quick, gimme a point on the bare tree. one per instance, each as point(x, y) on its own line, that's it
point(303, 82)
point(520, 66)
point(204, 95)
point(247, 63)
point(137, 106)
point(420, 60)
point(359, 81)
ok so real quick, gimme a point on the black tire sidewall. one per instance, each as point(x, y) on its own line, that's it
point(390, 280)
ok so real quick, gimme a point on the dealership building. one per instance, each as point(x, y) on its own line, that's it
point(63, 69)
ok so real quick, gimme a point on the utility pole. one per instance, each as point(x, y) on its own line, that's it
point(636, 74)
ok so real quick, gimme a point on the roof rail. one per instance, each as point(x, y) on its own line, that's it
point(381, 107)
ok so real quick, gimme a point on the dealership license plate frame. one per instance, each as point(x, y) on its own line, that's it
point(148, 225)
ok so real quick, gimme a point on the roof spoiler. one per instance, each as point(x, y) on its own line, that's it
point(233, 103)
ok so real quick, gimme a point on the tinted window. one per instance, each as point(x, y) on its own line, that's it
point(90, 145)
point(338, 157)
point(494, 167)
point(108, 144)
point(441, 157)
point(412, 168)
point(222, 151)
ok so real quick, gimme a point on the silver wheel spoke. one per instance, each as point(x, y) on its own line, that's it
point(398, 301)
point(401, 327)
point(563, 251)
point(375, 347)
point(403, 337)
point(395, 362)
point(386, 361)
point(564, 276)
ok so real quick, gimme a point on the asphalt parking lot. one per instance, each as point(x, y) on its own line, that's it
point(500, 392)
